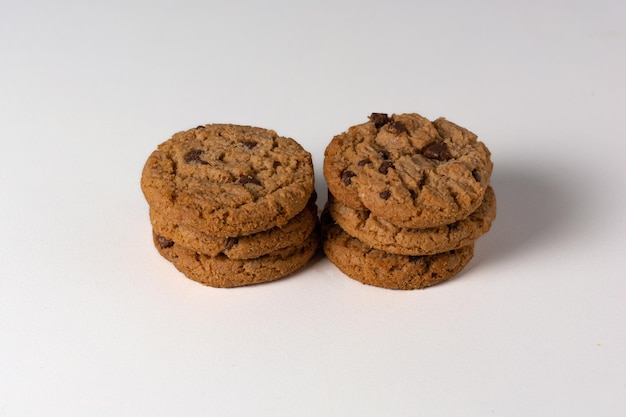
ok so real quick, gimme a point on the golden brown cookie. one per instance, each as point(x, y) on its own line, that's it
point(407, 170)
point(228, 180)
point(239, 247)
point(223, 272)
point(376, 267)
point(380, 234)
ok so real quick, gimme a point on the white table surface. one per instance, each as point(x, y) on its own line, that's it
point(93, 322)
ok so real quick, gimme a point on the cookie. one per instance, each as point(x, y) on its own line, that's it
point(376, 267)
point(239, 247)
point(223, 272)
point(409, 171)
point(385, 236)
point(228, 180)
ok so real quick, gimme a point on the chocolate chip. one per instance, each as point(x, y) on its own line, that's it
point(379, 119)
point(247, 179)
point(200, 127)
point(385, 194)
point(384, 154)
point(346, 177)
point(397, 127)
point(230, 242)
point(437, 151)
point(193, 157)
point(384, 167)
point(164, 243)
point(364, 162)
point(476, 175)
point(249, 144)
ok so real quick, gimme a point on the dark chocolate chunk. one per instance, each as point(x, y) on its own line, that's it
point(193, 157)
point(249, 144)
point(379, 119)
point(248, 179)
point(384, 154)
point(231, 241)
point(397, 127)
point(364, 162)
point(346, 177)
point(437, 151)
point(384, 167)
point(385, 194)
point(200, 127)
point(164, 242)
point(476, 175)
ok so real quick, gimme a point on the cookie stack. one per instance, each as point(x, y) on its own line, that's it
point(407, 200)
point(232, 205)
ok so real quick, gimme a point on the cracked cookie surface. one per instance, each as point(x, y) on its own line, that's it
point(228, 180)
point(376, 267)
point(408, 170)
point(385, 236)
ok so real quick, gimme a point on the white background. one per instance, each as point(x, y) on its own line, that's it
point(93, 322)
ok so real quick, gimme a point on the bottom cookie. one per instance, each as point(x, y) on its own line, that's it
point(222, 272)
point(376, 267)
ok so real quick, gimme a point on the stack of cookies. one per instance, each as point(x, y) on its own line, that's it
point(232, 205)
point(407, 200)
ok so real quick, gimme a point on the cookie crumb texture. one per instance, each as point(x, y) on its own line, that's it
point(228, 180)
point(408, 170)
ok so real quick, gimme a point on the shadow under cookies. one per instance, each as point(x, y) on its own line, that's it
point(535, 207)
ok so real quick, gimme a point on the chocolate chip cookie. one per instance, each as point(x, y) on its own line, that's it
point(381, 234)
point(239, 247)
point(379, 268)
point(228, 180)
point(223, 272)
point(407, 170)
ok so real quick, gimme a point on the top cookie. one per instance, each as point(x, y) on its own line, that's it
point(229, 180)
point(409, 171)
